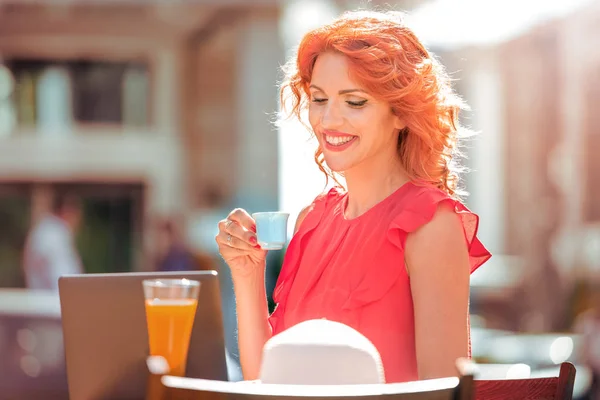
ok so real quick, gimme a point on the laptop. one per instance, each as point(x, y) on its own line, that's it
point(106, 338)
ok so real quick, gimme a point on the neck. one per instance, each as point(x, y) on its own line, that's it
point(371, 182)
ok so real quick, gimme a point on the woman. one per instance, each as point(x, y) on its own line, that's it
point(391, 255)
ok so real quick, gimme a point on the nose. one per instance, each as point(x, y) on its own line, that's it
point(331, 118)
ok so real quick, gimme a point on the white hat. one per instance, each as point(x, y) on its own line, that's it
point(321, 352)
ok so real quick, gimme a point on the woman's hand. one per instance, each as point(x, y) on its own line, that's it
point(247, 261)
point(238, 244)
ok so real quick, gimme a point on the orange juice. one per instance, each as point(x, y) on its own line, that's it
point(169, 329)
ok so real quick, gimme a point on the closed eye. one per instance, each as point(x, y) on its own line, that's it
point(357, 103)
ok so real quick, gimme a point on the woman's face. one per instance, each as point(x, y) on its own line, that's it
point(352, 127)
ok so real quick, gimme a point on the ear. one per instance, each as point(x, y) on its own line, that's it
point(399, 123)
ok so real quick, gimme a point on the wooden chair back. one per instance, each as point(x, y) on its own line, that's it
point(551, 388)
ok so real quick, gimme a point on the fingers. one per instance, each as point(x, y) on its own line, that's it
point(243, 219)
point(226, 239)
point(237, 231)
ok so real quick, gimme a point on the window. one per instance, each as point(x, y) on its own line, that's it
point(55, 93)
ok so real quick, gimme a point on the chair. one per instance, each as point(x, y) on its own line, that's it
point(330, 360)
point(165, 387)
point(552, 388)
point(195, 389)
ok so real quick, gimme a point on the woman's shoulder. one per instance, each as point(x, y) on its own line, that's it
point(422, 202)
point(423, 193)
point(320, 202)
point(436, 213)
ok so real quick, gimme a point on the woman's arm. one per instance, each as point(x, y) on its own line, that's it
point(252, 318)
point(437, 260)
point(252, 309)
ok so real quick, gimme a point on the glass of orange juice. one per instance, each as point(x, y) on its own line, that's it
point(170, 310)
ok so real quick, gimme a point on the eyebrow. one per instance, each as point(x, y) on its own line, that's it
point(345, 91)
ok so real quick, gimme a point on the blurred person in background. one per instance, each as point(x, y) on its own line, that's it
point(173, 254)
point(50, 249)
point(391, 253)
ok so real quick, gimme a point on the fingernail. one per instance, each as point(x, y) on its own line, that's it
point(253, 228)
point(253, 240)
point(257, 246)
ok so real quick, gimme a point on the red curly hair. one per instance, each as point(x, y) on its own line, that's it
point(388, 60)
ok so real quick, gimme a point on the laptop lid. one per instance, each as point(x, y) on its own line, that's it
point(106, 337)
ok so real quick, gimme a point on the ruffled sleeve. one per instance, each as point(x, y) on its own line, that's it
point(414, 211)
point(420, 211)
point(291, 260)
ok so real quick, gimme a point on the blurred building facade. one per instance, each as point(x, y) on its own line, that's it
point(535, 176)
point(161, 106)
point(146, 110)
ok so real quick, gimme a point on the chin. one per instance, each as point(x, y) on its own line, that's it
point(338, 166)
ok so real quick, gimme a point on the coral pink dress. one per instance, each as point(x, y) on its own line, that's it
point(352, 271)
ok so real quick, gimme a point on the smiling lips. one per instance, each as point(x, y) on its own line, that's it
point(337, 141)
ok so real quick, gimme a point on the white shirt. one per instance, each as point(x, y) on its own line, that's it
point(49, 253)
